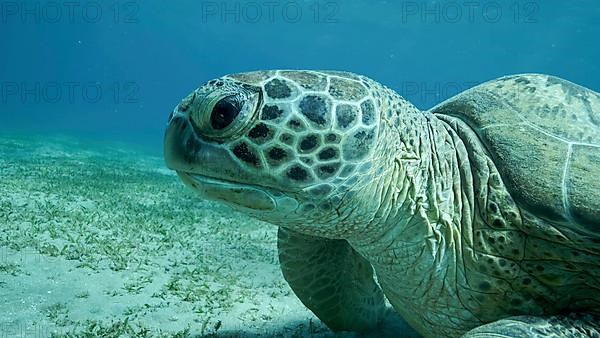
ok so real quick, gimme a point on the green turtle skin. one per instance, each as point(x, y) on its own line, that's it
point(479, 217)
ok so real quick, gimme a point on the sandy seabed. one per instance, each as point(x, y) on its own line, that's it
point(102, 240)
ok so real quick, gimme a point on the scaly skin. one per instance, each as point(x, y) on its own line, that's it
point(416, 194)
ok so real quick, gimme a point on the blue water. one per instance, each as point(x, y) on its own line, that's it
point(145, 56)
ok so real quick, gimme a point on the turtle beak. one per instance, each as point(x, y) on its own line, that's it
point(185, 151)
point(181, 146)
point(174, 149)
point(202, 166)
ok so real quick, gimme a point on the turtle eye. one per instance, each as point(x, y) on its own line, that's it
point(224, 113)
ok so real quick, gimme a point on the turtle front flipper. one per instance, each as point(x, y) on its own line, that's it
point(332, 280)
point(539, 327)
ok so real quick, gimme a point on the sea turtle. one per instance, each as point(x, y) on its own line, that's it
point(479, 217)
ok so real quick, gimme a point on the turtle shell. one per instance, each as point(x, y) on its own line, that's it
point(543, 133)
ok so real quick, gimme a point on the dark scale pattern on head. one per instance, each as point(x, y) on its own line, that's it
point(298, 174)
point(316, 109)
point(287, 138)
point(333, 138)
point(346, 116)
point(343, 89)
point(358, 145)
point(368, 112)
point(261, 133)
point(278, 89)
point(328, 154)
point(309, 143)
point(242, 152)
point(271, 112)
point(276, 156)
point(296, 125)
point(307, 160)
point(327, 170)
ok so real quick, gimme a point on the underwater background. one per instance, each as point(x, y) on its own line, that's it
point(98, 238)
point(144, 57)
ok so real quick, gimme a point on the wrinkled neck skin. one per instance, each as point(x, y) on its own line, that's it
point(418, 202)
point(415, 214)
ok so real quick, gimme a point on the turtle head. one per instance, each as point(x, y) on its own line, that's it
point(286, 147)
